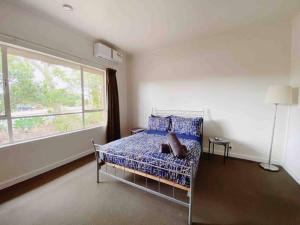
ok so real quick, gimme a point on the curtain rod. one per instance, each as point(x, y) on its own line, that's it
point(38, 47)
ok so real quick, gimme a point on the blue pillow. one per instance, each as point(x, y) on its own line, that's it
point(186, 126)
point(159, 123)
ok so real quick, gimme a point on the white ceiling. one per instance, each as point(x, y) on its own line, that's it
point(140, 25)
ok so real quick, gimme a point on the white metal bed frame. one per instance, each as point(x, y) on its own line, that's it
point(188, 171)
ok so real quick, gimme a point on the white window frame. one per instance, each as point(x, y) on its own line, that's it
point(7, 112)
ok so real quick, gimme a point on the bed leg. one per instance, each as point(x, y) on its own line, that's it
point(97, 156)
point(202, 136)
point(98, 168)
point(190, 219)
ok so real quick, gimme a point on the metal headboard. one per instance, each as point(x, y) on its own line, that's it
point(185, 113)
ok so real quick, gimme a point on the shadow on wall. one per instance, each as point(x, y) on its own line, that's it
point(214, 128)
point(247, 150)
point(295, 96)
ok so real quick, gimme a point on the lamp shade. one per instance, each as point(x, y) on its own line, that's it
point(279, 94)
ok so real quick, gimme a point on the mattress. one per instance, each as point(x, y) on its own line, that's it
point(145, 147)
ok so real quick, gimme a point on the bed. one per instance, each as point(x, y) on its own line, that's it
point(140, 155)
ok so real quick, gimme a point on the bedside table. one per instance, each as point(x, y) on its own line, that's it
point(223, 142)
point(136, 130)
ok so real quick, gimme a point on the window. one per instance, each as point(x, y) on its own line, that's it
point(42, 95)
point(1, 87)
point(3, 132)
point(4, 138)
point(93, 97)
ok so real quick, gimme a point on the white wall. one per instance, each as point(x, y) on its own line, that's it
point(228, 75)
point(292, 153)
point(18, 162)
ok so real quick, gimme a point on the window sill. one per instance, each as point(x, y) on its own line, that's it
point(49, 136)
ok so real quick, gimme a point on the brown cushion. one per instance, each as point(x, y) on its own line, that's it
point(178, 149)
point(184, 151)
point(165, 148)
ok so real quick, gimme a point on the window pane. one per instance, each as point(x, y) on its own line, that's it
point(28, 128)
point(1, 87)
point(94, 119)
point(3, 132)
point(93, 90)
point(38, 87)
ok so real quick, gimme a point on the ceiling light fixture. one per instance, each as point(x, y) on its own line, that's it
point(67, 7)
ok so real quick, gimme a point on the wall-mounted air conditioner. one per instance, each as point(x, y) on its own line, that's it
point(103, 51)
point(117, 56)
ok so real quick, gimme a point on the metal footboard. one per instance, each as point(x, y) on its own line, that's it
point(188, 171)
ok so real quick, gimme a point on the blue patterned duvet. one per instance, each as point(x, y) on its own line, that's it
point(145, 147)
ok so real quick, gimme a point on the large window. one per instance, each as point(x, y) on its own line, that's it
point(93, 97)
point(1, 87)
point(4, 138)
point(42, 95)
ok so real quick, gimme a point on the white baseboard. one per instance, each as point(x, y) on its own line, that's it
point(243, 156)
point(39, 171)
point(295, 176)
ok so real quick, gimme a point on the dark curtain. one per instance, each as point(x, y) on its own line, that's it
point(113, 117)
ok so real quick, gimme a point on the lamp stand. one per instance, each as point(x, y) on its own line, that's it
point(268, 166)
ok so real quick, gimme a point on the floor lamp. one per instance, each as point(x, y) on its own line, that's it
point(277, 95)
